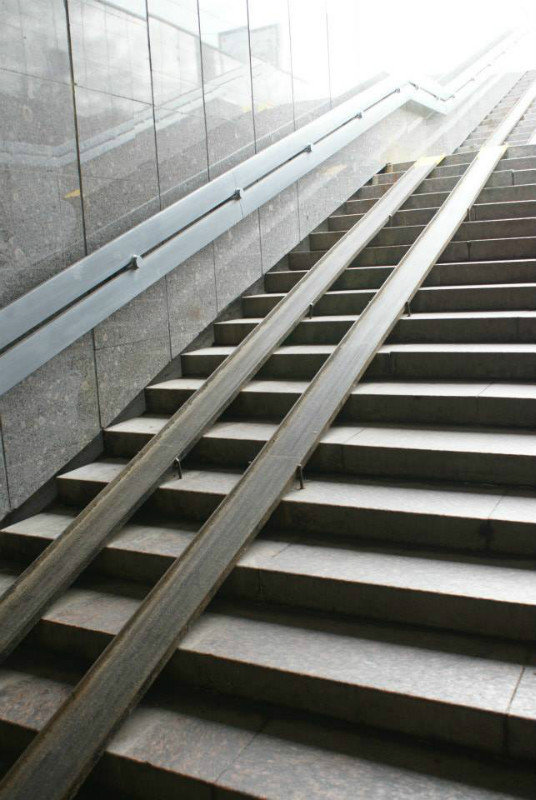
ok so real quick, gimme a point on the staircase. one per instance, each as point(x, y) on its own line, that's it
point(377, 640)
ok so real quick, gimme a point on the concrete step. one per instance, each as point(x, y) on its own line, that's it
point(212, 744)
point(508, 362)
point(497, 179)
point(455, 326)
point(435, 199)
point(476, 594)
point(409, 217)
point(410, 401)
point(482, 455)
point(468, 231)
point(452, 516)
point(513, 248)
point(481, 297)
point(443, 274)
point(350, 669)
point(458, 169)
point(513, 151)
point(523, 151)
point(475, 250)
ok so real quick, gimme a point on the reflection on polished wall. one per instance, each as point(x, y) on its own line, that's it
point(113, 110)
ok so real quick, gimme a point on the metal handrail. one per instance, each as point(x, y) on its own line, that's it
point(47, 319)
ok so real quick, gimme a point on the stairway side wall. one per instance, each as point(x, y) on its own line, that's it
point(56, 412)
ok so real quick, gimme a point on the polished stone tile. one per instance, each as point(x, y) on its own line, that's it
point(238, 260)
point(310, 63)
point(40, 211)
point(327, 186)
point(110, 47)
point(33, 39)
point(125, 370)
point(227, 83)
point(271, 70)
point(49, 417)
point(182, 153)
point(187, 733)
point(522, 716)
point(142, 319)
point(314, 760)
point(118, 155)
point(191, 298)
point(178, 98)
point(280, 230)
point(175, 51)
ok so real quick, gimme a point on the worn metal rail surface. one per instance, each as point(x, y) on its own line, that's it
point(128, 666)
point(70, 553)
point(47, 319)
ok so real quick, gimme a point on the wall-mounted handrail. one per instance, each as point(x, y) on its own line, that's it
point(56, 313)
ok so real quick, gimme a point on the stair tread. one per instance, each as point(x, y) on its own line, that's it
point(257, 752)
point(410, 497)
point(444, 668)
point(390, 436)
point(450, 314)
point(509, 581)
point(402, 387)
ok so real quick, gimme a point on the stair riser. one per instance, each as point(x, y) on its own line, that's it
point(409, 329)
point(255, 584)
point(485, 211)
point(350, 279)
point(480, 250)
point(440, 365)
point(512, 152)
point(457, 274)
point(521, 177)
point(354, 704)
point(434, 199)
point(463, 298)
point(455, 170)
point(260, 305)
point(354, 459)
point(296, 512)
point(357, 704)
point(452, 366)
point(468, 231)
point(461, 614)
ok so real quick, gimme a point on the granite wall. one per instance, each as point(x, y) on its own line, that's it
point(111, 111)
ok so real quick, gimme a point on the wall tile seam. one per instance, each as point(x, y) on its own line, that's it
point(5, 469)
point(98, 420)
point(203, 93)
point(158, 181)
point(255, 143)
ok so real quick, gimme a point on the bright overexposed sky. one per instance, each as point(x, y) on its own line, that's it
point(423, 36)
